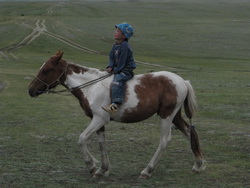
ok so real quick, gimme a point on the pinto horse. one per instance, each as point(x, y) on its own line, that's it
point(162, 92)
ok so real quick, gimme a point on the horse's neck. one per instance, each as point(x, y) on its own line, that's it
point(78, 75)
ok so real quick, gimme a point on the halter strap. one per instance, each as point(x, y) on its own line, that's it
point(48, 90)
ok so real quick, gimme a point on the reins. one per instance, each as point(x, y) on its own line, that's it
point(48, 90)
point(82, 85)
point(90, 82)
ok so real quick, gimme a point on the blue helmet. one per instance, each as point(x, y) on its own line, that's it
point(126, 29)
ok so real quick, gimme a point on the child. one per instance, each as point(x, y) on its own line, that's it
point(121, 63)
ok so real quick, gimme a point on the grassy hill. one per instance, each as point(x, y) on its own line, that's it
point(206, 42)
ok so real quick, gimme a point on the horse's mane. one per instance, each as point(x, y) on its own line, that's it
point(88, 69)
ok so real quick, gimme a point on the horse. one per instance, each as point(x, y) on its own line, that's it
point(162, 93)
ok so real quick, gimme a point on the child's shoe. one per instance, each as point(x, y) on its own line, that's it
point(112, 108)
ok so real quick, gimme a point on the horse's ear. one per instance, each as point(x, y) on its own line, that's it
point(58, 56)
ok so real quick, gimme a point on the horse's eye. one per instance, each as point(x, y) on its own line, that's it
point(45, 71)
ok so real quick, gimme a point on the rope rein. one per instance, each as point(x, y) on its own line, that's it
point(74, 88)
point(82, 85)
point(90, 82)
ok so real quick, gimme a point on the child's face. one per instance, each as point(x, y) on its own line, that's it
point(118, 35)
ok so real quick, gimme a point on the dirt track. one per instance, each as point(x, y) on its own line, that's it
point(40, 28)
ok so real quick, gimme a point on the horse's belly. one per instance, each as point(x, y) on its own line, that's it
point(138, 113)
point(134, 117)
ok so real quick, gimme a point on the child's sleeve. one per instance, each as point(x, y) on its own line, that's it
point(111, 59)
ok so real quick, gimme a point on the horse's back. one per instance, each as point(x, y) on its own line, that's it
point(147, 94)
point(160, 75)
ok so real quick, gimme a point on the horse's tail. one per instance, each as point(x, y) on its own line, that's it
point(190, 106)
point(190, 101)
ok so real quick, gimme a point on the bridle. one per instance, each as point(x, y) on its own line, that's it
point(48, 90)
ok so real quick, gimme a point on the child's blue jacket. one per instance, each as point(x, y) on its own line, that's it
point(121, 58)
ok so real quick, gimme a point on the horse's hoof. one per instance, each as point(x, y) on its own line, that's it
point(97, 176)
point(199, 166)
point(92, 171)
point(144, 176)
point(100, 174)
point(195, 170)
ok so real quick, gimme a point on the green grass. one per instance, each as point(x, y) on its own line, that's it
point(206, 42)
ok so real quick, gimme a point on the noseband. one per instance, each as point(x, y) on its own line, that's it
point(48, 90)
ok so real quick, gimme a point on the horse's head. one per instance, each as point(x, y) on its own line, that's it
point(48, 76)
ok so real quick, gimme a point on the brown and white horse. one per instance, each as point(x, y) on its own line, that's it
point(162, 92)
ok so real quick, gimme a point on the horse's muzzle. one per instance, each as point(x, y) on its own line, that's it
point(33, 93)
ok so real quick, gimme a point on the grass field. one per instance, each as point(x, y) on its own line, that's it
point(206, 42)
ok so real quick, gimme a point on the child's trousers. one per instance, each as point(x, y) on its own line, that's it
point(118, 86)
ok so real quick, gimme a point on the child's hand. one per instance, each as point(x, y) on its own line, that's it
point(109, 70)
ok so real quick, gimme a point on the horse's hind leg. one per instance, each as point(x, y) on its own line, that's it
point(181, 124)
point(191, 134)
point(164, 140)
point(200, 163)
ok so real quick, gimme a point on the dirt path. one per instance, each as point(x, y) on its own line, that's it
point(71, 43)
point(53, 7)
point(40, 28)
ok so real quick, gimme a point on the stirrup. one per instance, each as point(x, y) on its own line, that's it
point(112, 108)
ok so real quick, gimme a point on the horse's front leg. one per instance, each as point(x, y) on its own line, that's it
point(95, 125)
point(104, 169)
